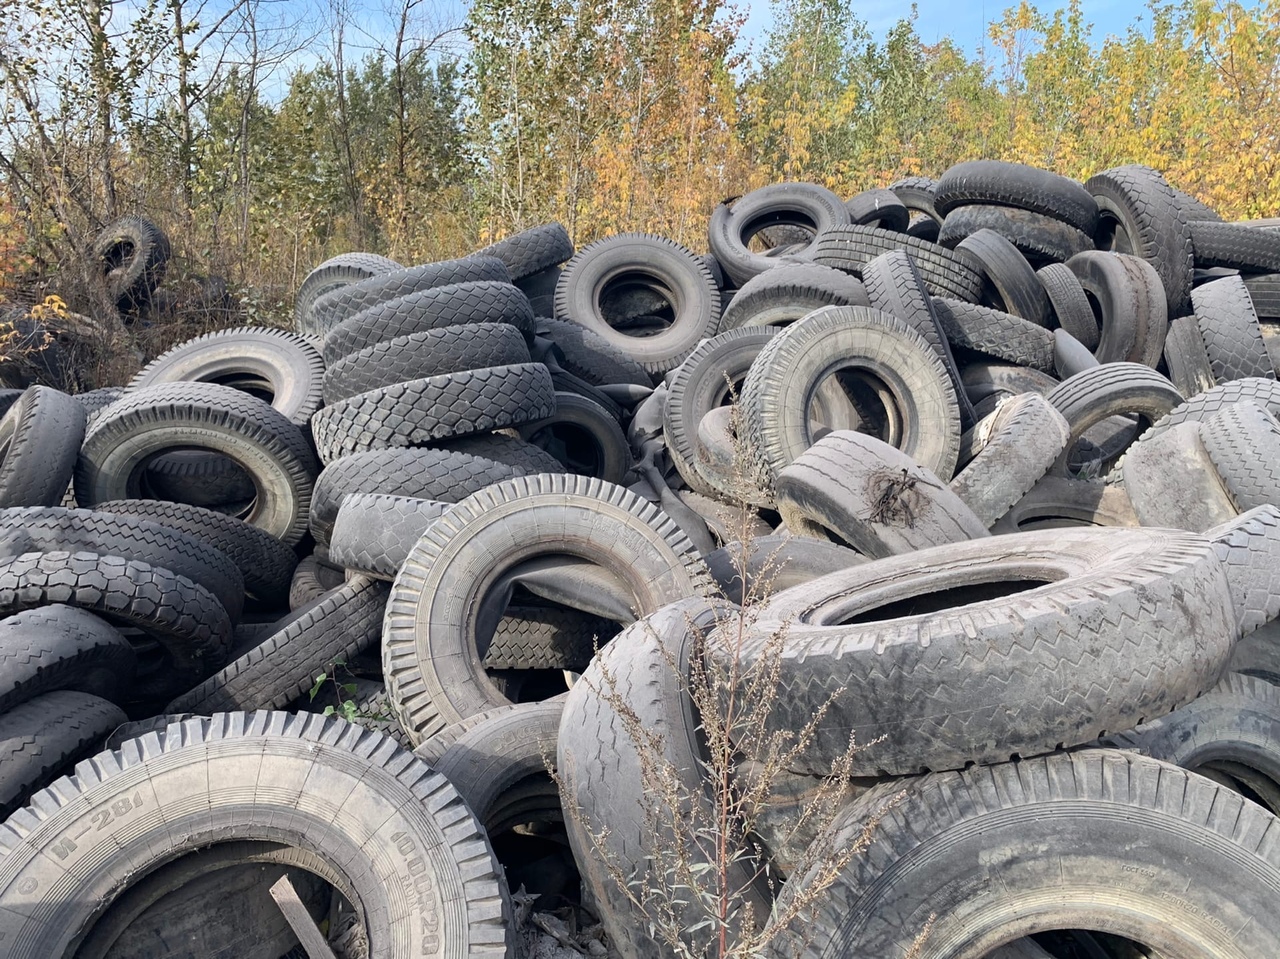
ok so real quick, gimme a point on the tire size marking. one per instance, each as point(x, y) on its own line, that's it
point(98, 820)
point(420, 886)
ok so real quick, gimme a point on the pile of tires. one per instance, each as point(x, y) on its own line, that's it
point(978, 470)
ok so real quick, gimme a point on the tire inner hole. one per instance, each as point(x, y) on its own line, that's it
point(945, 599)
point(855, 399)
point(573, 445)
point(256, 386)
point(637, 303)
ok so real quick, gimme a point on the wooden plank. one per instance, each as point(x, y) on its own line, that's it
point(299, 919)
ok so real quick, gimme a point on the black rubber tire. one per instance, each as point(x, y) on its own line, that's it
point(1041, 239)
point(456, 304)
point(1133, 319)
point(859, 492)
point(40, 439)
point(1070, 356)
point(879, 207)
point(1243, 441)
point(313, 579)
point(1066, 834)
point(1070, 305)
point(990, 382)
point(430, 750)
point(1193, 209)
point(813, 208)
point(1235, 246)
point(508, 450)
point(945, 272)
point(1009, 452)
point(1056, 502)
point(499, 760)
point(1112, 389)
point(198, 478)
point(333, 273)
point(424, 473)
point(1264, 290)
point(345, 621)
point(1016, 185)
point(590, 357)
point(367, 784)
point(531, 251)
point(44, 529)
point(1010, 274)
point(423, 411)
point(791, 367)
point(547, 637)
point(374, 532)
point(583, 437)
point(1171, 482)
point(131, 254)
point(1186, 359)
point(918, 194)
point(774, 563)
point(637, 689)
point(265, 562)
point(1230, 330)
point(1231, 735)
point(436, 600)
point(1264, 392)
point(92, 401)
point(216, 903)
point(894, 286)
point(419, 355)
point(995, 333)
point(1249, 547)
point(276, 366)
point(649, 263)
point(60, 647)
point(707, 379)
point(191, 629)
point(223, 420)
point(788, 293)
point(44, 737)
point(1140, 214)
point(1075, 640)
point(335, 306)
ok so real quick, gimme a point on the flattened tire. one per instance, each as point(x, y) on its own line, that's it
point(433, 645)
point(368, 786)
point(261, 441)
point(997, 677)
point(1098, 839)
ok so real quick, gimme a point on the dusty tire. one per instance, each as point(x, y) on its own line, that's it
point(1133, 317)
point(1243, 442)
point(1171, 481)
point(902, 371)
point(372, 788)
point(1248, 546)
point(774, 563)
point(813, 208)
point(261, 441)
point(1038, 237)
point(601, 765)
point(589, 356)
point(433, 606)
point(945, 272)
point(1009, 452)
point(1230, 330)
point(44, 737)
point(638, 261)
point(374, 533)
point(1263, 392)
point(313, 579)
point(421, 412)
point(278, 367)
point(132, 254)
point(345, 621)
point(1002, 676)
point(60, 647)
point(39, 441)
point(1056, 502)
point(790, 292)
point(857, 491)
point(995, 333)
point(1065, 834)
point(333, 273)
point(265, 562)
point(1186, 359)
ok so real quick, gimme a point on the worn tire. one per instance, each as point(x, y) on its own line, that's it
point(223, 420)
point(1097, 839)
point(60, 647)
point(333, 273)
point(1186, 358)
point(1102, 629)
point(790, 292)
point(365, 783)
point(857, 491)
point(1038, 237)
point(1243, 441)
point(645, 262)
point(40, 439)
point(1235, 246)
point(591, 357)
point(583, 438)
point(1009, 273)
point(995, 333)
point(792, 366)
point(1016, 185)
point(774, 563)
point(813, 208)
point(132, 254)
point(531, 251)
point(1133, 316)
point(433, 606)
point(374, 533)
point(945, 272)
point(1230, 330)
point(1070, 304)
point(1264, 392)
point(1171, 482)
